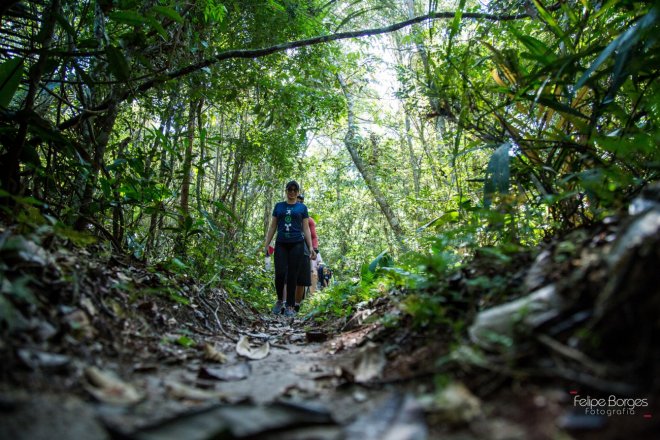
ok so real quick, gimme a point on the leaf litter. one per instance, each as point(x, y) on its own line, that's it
point(144, 366)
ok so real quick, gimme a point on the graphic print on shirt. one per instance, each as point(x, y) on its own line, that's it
point(287, 222)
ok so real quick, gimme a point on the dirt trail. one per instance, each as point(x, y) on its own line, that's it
point(342, 388)
point(126, 353)
point(299, 390)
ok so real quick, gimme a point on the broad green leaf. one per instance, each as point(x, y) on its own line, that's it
point(175, 262)
point(447, 217)
point(158, 27)
point(384, 259)
point(168, 12)
point(11, 72)
point(117, 63)
point(639, 143)
point(132, 18)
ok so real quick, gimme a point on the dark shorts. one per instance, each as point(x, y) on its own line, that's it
point(305, 273)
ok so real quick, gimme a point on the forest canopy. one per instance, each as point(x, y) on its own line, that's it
point(168, 129)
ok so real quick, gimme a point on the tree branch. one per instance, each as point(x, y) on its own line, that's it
point(258, 53)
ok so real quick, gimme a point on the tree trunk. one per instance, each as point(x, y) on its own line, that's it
point(100, 136)
point(351, 144)
point(414, 163)
point(184, 204)
point(153, 219)
point(187, 161)
point(117, 209)
point(10, 176)
point(202, 156)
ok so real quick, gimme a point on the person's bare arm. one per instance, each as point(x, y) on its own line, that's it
point(308, 238)
point(270, 233)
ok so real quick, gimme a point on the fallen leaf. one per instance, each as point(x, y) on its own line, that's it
point(232, 373)
point(454, 405)
point(107, 387)
point(212, 354)
point(243, 348)
point(370, 363)
point(181, 391)
point(43, 360)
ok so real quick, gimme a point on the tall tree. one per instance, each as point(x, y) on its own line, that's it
point(351, 142)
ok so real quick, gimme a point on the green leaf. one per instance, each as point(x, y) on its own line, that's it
point(118, 63)
point(168, 12)
point(88, 43)
point(447, 217)
point(497, 174)
point(276, 6)
point(65, 25)
point(175, 262)
point(560, 107)
point(537, 49)
point(155, 25)
point(185, 341)
point(554, 26)
point(132, 18)
point(384, 259)
point(11, 72)
point(455, 24)
point(623, 43)
point(222, 207)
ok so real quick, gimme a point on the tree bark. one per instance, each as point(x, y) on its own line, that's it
point(351, 144)
point(103, 128)
point(184, 204)
point(154, 222)
point(10, 176)
point(202, 156)
point(414, 163)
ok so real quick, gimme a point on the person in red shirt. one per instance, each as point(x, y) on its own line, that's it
point(314, 263)
point(312, 227)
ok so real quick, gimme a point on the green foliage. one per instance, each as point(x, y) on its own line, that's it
point(497, 174)
point(336, 301)
point(244, 277)
point(185, 341)
point(622, 48)
point(493, 143)
point(426, 310)
point(11, 72)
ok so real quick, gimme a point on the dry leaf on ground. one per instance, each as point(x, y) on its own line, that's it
point(243, 348)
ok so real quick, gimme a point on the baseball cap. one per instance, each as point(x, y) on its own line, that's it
point(292, 183)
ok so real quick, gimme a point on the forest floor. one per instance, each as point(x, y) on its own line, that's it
point(96, 346)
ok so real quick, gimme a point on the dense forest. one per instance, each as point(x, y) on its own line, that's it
point(442, 147)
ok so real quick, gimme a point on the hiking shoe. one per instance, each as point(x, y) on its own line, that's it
point(278, 307)
point(290, 312)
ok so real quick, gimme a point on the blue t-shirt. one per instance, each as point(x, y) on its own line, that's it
point(289, 221)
